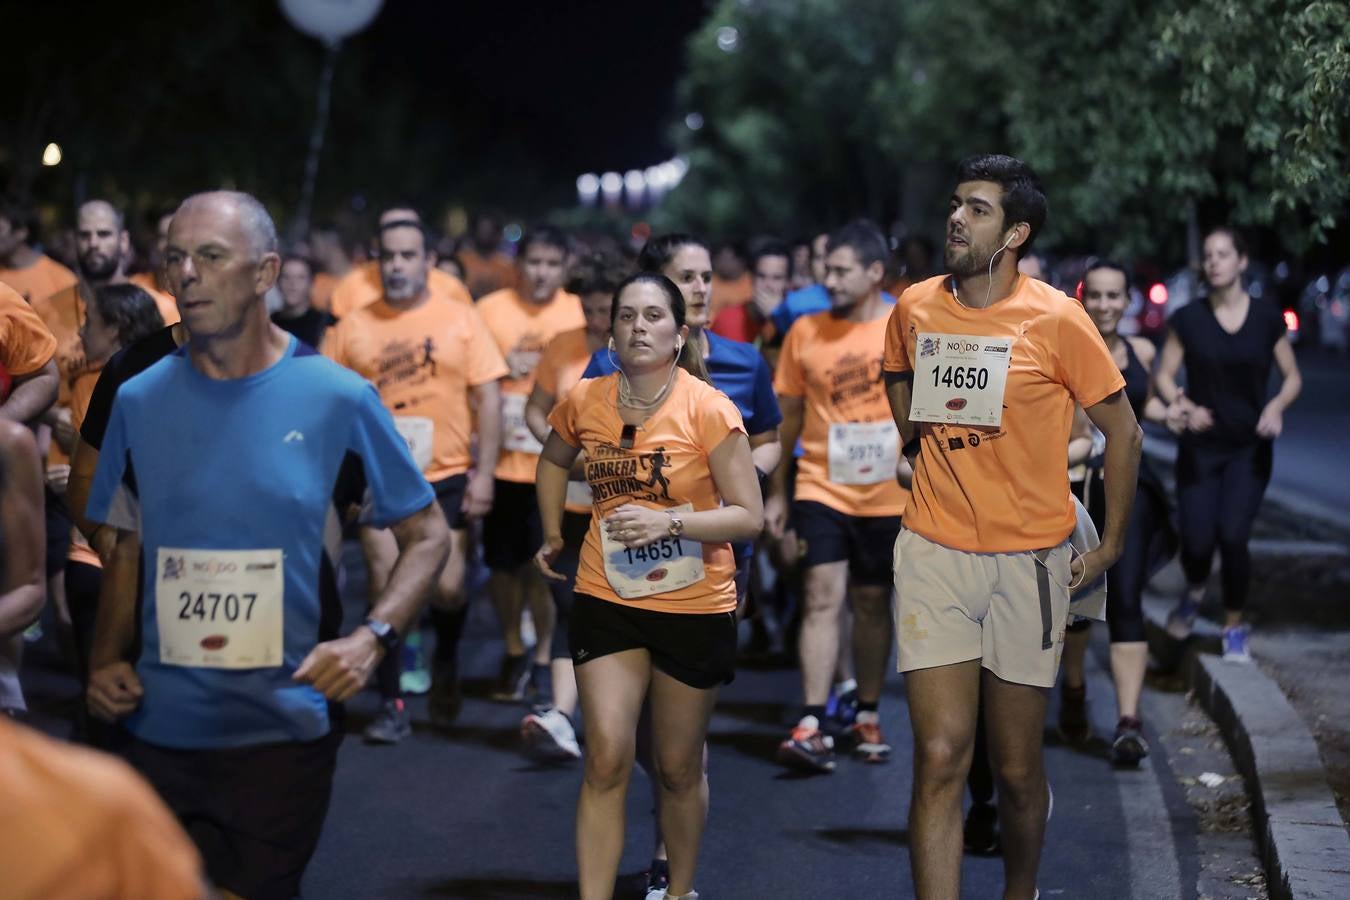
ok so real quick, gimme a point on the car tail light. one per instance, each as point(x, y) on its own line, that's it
point(1291, 320)
point(1158, 293)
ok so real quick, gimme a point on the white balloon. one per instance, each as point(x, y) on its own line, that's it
point(330, 20)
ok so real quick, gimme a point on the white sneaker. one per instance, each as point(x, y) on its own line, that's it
point(528, 637)
point(549, 735)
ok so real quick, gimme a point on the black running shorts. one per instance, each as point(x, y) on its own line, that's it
point(698, 649)
point(867, 542)
point(255, 813)
point(511, 531)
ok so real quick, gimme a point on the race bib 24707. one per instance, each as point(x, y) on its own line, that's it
point(219, 609)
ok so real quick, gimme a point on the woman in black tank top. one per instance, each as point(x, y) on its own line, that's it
point(1148, 540)
point(1228, 342)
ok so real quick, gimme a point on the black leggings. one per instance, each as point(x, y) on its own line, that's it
point(1219, 491)
point(1149, 542)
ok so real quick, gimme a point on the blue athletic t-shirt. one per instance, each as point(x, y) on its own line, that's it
point(251, 463)
point(736, 369)
point(804, 302)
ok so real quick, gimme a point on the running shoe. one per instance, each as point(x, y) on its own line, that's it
point(658, 879)
point(549, 735)
point(445, 699)
point(1181, 620)
point(981, 830)
point(512, 677)
point(1074, 725)
point(415, 678)
point(808, 749)
point(1129, 746)
point(864, 737)
point(390, 726)
point(1235, 644)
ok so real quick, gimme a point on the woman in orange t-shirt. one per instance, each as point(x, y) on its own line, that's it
point(673, 484)
point(120, 315)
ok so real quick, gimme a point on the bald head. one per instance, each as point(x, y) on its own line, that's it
point(102, 244)
point(220, 263)
point(257, 225)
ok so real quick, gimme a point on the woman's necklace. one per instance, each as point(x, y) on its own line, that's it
point(626, 397)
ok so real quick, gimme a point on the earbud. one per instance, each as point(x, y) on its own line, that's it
point(679, 345)
point(1008, 241)
point(611, 344)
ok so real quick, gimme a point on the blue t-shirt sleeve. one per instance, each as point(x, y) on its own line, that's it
point(781, 318)
point(766, 415)
point(396, 486)
point(600, 365)
point(112, 498)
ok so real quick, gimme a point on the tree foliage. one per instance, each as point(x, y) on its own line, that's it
point(1135, 112)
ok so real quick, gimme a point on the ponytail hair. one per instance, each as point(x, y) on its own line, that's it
point(689, 358)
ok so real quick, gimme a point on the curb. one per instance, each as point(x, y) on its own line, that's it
point(1304, 844)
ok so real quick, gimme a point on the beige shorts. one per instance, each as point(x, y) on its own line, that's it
point(1007, 610)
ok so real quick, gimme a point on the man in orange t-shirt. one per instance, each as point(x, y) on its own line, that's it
point(731, 284)
point(523, 320)
point(983, 369)
point(30, 272)
point(433, 363)
point(363, 285)
point(486, 268)
point(846, 502)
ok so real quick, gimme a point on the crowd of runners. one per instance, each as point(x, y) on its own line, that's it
point(664, 457)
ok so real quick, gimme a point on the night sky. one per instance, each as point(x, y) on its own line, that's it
point(481, 103)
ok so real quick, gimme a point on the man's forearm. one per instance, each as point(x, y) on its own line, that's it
point(899, 393)
point(423, 544)
point(32, 396)
point(789, 432)
point(115, 622)
point(550, 486)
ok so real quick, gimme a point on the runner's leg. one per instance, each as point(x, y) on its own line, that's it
point(680, 716)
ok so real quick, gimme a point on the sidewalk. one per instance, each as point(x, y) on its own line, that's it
point(1286, 719)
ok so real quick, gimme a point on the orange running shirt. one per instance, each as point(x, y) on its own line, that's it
point(560, 368)
point(834, 366)
point(168, 306)
point(486, 274)
point(667, 466)
point(523, 327)
point(43, 278)
point(82, 824)
point(1004, 489)
point(362, 287)
point(26, 343)
point(423, 362)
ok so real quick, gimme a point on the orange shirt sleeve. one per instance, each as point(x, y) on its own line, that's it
point(896, 358)
point(787, 378)
point(717, 420)
point(486, 362)
point(333, 344)
point(1082, 362)
point(563, 419)
point(26, 343)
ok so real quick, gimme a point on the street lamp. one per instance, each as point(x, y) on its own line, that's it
point(51, 154)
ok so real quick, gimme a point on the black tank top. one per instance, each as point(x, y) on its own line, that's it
point(1136, 380)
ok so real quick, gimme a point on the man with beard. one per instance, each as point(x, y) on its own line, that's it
point(983, 368)
point(845, 504)
point(432, 360)
point(363, 285)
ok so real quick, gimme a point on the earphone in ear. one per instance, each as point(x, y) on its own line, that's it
point(1008, 241)
point(679, 345)
point(611, 344)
